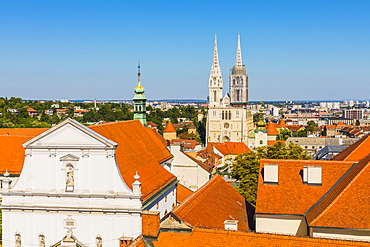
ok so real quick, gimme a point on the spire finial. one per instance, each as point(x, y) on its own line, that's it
point(239, 61)
point(215, 64)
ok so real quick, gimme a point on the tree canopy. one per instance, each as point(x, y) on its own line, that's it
point(246, 166)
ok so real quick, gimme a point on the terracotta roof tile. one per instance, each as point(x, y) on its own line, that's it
point(212, 204)
point(346, 205)
point(138, 150)
point(356, 151)
point(11, 140)
point(215, 238)
point(182, 193)
point(271, 129)
point(169, 127)
point(282, 123)
point(229, 147)
point(191, 144)
point(205, 166)
point(291, 196)
point(159, 136)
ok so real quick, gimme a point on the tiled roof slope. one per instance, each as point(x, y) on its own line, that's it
point(291, 196)
point(271, 129)
point(216, 238)
point(11, 140)
point(346, 205)
point(212, 204)
point(182, 193)
point(356, 151)
point(169, 127)
point(158, 135)
point(204, 165)
point(229, 147)
point(138, 150)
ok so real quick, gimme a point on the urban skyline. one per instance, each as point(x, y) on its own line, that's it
point(292, 51)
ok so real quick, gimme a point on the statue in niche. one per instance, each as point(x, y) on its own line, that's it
point(17, 240)
point(42, 241)
point(70, 176)
point(99, 242)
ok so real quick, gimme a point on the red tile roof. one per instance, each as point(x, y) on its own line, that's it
point(138, 150)
point(212, 204)
point(229, 147)
point(215, 238)
point(187, 143)
point(182, 193)
point(169, 127)
point(158, 135)
point(346, 205)
point(12, 152)
point(271, 129)
point(356, 151)
point(291, 196)
point(282, 123)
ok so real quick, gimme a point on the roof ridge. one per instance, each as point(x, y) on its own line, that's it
point(356, 148)
point(337, 190)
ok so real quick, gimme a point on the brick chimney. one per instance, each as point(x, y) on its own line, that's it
point(151, 223)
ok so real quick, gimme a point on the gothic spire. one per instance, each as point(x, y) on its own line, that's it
point(215, 64)
point(239, 61)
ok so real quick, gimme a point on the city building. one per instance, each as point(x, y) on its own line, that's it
point(228, 116)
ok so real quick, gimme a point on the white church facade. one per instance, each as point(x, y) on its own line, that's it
point(228, 116)
point(83, 186)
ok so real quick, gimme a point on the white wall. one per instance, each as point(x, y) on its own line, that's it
point(281, 224)
point(189, 173)
point(345, 234)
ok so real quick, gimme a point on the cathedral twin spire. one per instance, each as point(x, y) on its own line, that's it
point(238, 79)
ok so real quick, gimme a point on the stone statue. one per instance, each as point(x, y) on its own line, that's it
point(70, 177)
point(17, 240)
point(99, 242)
point(42, 241)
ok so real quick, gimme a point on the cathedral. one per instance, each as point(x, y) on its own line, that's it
point(228, 116)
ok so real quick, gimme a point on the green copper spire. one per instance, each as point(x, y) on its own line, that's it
point(139, 101)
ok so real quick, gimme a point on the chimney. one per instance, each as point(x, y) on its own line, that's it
point(271, 173)
point(151, 223)
point(231, 225)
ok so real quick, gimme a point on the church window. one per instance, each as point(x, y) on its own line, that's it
point(173, 192)
point(229, 114)
point(165, 198)
point(223, 115)
point(165, 212)
point(157, 205)
point(173, 205)
point(214, 96)
point(261, 142)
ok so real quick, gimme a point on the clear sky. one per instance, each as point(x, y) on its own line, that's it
point(85, 49)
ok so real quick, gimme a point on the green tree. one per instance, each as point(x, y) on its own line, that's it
point(284, 134)
point(246, 166)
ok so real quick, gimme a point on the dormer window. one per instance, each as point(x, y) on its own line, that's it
point(271, 174)
point(312, 175)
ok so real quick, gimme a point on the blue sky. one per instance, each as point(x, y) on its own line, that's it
point(293, 50)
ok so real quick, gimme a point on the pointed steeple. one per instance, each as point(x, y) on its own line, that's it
point(239, 61)
point(215, 64)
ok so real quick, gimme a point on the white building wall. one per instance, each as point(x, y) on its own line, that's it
point(189, 173)
point(281, 224)
point(345, 234)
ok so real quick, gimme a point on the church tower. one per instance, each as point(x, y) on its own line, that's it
point(215, 80)
point(139, 101)
point(239, 79)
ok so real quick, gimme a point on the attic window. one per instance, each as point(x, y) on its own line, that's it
point(271, 174)
point(312, 175)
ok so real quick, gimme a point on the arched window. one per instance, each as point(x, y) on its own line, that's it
point(223, 115)
point(214, 96)
point(261, 142)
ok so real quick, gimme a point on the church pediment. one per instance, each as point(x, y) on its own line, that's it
point(69, 157)
point(69, 133)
